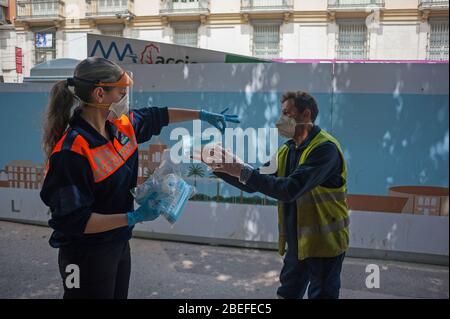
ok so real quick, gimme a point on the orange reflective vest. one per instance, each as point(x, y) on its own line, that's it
point(106, 159)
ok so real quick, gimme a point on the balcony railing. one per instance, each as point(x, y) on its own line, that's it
point(40, 10)
point(174, 7)
point(109, 8)
point(433, 4)
point(266, 5)
point(354, 4)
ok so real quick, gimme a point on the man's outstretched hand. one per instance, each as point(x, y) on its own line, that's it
point(220, 160)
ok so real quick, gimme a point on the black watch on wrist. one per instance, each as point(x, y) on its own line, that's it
point(246, 173)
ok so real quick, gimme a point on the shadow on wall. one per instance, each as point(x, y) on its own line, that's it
point(392, 122)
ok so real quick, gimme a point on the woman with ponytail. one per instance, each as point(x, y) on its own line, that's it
point(91, 142)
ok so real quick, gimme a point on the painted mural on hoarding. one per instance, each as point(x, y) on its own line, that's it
point(393, 127)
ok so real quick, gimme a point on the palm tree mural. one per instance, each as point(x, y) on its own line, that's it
point(212, 176)
point(196, 170)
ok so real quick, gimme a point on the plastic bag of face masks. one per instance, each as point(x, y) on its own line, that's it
point(165, 190)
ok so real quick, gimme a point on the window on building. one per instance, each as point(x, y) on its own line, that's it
point(266, 41)
point(44, 46)
point(352, 41)
point(438, 40)
point(186, 35)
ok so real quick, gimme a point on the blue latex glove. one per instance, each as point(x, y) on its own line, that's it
point(218, 120)
point(144, 213)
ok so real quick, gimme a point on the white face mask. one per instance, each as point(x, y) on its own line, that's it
point(117, 109)
point(286, 126)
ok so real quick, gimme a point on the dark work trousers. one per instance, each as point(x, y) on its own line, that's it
point(104, 271)
point(322, 274)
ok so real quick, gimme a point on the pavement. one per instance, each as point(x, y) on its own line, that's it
point(164, 269)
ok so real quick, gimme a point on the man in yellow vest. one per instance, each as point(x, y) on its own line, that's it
point(310, 186)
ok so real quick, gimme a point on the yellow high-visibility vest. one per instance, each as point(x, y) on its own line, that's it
point(322, 213)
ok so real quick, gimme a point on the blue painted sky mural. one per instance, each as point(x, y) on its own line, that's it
point(389, 138)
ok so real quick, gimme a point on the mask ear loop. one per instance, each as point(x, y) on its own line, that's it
point(78, 102)
point(304, 123)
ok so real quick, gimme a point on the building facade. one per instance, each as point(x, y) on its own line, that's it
point(22, 174)
point(149, 159)
point(285, 29)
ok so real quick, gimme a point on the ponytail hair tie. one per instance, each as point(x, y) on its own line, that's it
point(70, 82)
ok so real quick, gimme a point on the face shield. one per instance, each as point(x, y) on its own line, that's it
point(125, 81)
point(118, 108)
point(121, 107)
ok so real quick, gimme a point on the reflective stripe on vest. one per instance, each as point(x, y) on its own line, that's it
point(323, 229)
point(106, 161)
